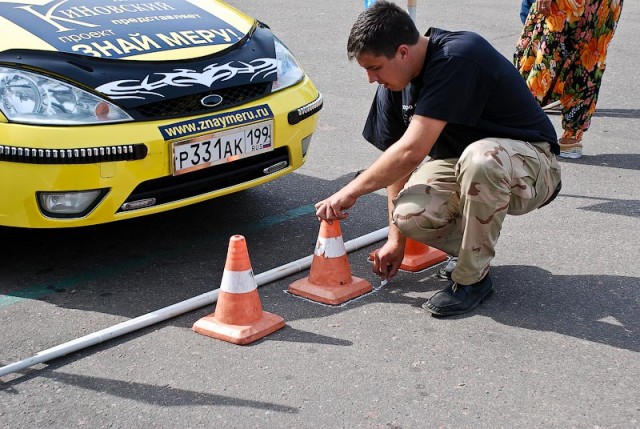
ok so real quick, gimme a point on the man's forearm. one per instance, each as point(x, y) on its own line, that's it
point(392, 192)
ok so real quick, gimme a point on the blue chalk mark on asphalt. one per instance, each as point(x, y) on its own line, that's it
point(277, 219)
point(38, 291)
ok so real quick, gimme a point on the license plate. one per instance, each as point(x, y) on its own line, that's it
point(225, 146)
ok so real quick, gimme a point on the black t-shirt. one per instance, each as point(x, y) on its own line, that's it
point(470, 85)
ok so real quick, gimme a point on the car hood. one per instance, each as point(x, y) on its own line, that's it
point(137, 30)
point(131, 52)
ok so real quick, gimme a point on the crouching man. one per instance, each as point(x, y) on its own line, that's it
point(464, 145)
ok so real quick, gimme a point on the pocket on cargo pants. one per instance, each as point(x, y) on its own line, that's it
point(535, 173)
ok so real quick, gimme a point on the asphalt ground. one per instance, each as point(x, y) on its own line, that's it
point(557, 346)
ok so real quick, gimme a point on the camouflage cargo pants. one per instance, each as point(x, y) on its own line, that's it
point(458, 205)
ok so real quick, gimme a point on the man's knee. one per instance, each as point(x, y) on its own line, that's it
point(421, 210)
point(483, 173)
point(483, 159)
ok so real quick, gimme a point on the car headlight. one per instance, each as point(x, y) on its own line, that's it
point(289, 72)
point(32, 98)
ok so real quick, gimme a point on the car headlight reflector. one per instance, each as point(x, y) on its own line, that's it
point(69, 204)
point(289, 72)
point(33, 98)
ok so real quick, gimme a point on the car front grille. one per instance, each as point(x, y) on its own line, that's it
point(175, 188)
point(83, 155)
point(191, 105)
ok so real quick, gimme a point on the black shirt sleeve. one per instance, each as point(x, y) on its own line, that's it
point(384, 125)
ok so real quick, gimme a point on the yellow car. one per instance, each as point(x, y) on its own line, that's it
point(114, 109)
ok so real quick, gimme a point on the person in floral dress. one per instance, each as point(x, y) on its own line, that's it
point(562, 56)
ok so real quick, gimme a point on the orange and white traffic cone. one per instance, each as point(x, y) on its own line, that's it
point(330, 280)
point(418, 256)
point(238, 317)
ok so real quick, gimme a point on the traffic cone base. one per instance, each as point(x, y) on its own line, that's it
point(329, 294)
point(238, 334)
point(422, 261)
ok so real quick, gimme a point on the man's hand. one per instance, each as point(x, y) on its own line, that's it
point(387, 260)
point(333, 208)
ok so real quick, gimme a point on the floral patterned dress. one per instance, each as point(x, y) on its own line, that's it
point(562, 56)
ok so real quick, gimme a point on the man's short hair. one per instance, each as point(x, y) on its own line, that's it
point(380, 29)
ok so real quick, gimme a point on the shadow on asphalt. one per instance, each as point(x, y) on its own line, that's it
point(628, 161)
point(165, 396)
point(610, 205)
point(599, 308)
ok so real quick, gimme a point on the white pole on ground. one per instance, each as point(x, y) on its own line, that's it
point(177, 309)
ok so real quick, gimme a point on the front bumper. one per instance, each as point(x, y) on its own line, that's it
point(133, 162)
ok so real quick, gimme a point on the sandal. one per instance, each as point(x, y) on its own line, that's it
point(570, 148)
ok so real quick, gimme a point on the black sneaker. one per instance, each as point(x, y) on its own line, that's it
point(445, 272)
point(459, 299)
